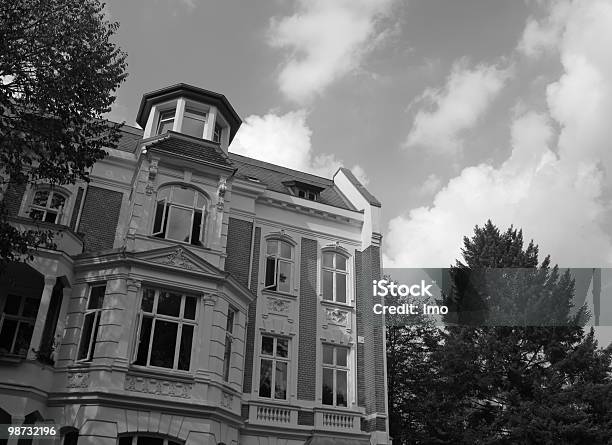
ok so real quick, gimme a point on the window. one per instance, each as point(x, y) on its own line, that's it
point(17, 324)
point(193, 123)
point(229, 330)
point(91, 323)
point(335, 375)
point(334, 276)
point(180, 214)
point(166, 329)
point(166, 121)
point(307, 194)
point(274, 367)
point(146, 440)
point(279, 265)
point(47, 206)
point(217, 133)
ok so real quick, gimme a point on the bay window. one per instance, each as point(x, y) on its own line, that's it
point(229, 338)
point(17, 324)
point(91, 323)
point(335, 375)
point(166, 328)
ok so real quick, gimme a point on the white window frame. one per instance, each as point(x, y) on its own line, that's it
point(20, 319)
point(335, 272)
point(180, 321)
point(59, 212)
point(335, 368)
point(274, 358)
point(277, 260)
point(163, 119)
point(195, 114)
point(96, 314)
point(168, 204)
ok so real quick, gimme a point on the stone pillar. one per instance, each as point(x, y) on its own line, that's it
point(42, 315)
point(61, 321)
point(204, 334)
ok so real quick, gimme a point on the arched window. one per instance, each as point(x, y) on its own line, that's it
point(334, 276)
point(180, 215)
point(279, 265)
point(47, 205)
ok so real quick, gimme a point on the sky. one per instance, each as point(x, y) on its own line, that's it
point(452, 112)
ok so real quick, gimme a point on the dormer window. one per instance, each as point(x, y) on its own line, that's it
point(166, 121)
point(193, 123)
point(303, 190)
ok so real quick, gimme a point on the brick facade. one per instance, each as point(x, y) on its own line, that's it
point(99, 218)
point(13, 197)
point(307, 355)
point(370, 354)
point(251, 316)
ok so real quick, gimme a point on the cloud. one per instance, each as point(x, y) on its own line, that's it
point(285, 140)
point(326, 39)
point(431, 185)
point(544, 36)
point(456, 108)
point(555, 185)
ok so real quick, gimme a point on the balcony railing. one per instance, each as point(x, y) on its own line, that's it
point(330, 419)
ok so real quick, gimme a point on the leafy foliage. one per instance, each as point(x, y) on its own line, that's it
point(59, 70)
point(514, 365)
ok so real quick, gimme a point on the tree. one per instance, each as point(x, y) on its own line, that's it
point(513, 365)
point(59, 71)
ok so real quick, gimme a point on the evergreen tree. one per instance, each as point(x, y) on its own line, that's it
point(513, 365)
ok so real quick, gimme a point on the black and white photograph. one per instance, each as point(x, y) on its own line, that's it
point(306, 222)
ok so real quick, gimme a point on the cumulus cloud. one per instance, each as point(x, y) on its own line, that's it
point(326, 39)
point(555, 184)
point(543, 35)
point(285, 140)
point(457, 107)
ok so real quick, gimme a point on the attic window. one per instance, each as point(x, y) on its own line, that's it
point(304, 190)
point(307, 194)
point(253, 179)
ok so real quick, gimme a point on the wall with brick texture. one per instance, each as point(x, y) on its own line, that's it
point(99, 218)
point(307, 346)
point(238, 249)
point(370, 359)
point(247, 382)
point(13, 197)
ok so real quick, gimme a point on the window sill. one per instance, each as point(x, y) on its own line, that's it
point(278, 294)
point(335, 304)
point(169, 242)
point(11, 359)
point(161, 373)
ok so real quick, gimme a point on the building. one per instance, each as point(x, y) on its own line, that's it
point(196, 296)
